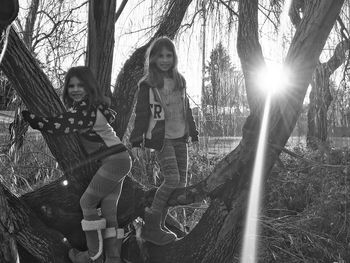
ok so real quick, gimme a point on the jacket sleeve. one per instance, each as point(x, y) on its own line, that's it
point(193, 132)
point(65, 123)
point(142, 113)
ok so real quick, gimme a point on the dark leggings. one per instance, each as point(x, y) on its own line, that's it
point(105, 188)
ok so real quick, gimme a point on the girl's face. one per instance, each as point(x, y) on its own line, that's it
point(76, 90)
point(165, 60)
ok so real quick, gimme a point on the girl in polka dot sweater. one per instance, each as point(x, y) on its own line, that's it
point(89, 115)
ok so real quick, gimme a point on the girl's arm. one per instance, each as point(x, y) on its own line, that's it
point(65, 123)
point(193, 133)
point(192, 125)
point(141, 115)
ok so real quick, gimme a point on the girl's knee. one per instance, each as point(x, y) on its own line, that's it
point(83, 202)
point(172, 182)
point(89, 208)
point(87, 202)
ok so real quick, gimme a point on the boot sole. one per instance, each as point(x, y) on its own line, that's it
point(76, 256)
point(156, 242)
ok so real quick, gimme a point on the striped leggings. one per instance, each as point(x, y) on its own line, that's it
point(105, 189)
point(173, 163)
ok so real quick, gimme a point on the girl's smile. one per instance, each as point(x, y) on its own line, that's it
point(76, 90)
point(165, 59)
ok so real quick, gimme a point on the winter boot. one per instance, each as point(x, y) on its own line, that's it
point(94, 242)
point(77, 256)
point(152, 232)
point(113, 240)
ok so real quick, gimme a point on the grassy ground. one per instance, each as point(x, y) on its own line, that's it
point(306, 216)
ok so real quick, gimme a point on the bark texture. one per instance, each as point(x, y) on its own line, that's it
point(321, 97)
point(101, 41)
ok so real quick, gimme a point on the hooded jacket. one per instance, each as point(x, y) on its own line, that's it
point(149, 126)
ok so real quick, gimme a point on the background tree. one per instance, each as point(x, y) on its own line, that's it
point(321, 97)
point(223, 95)
point(340, 111)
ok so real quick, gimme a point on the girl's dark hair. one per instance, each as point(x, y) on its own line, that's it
point(91, 86)
point(151, 73)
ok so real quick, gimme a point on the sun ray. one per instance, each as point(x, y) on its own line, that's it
point(271, 79)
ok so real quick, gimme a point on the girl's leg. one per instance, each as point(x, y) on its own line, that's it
point(104, 182)
point(152, 230)
point(169, 168)
point(181, 154)
point(113, 236)
point(108, 176)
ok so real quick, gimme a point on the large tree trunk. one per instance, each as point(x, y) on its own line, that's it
point(101, 41)
point(321, 97)
point(8, 247)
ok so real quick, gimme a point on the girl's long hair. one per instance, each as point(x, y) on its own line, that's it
point(93, 91)
point(151, 72)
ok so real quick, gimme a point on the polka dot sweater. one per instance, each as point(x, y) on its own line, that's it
point(92, 123)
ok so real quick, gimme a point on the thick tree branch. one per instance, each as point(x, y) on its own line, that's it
point(101, 41)
point(339, 56)
point(120, 10)
point(250, 52)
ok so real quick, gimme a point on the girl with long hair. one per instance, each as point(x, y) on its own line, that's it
point(163, 122)
point(89, 116)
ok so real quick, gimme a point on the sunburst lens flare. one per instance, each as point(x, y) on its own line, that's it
point(273, 79)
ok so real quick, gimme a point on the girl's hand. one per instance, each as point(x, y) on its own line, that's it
point(25, 115)
point(195, 146)
point(30, 118)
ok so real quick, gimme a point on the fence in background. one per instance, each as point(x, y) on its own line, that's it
point(210, 144)
point(223, 145)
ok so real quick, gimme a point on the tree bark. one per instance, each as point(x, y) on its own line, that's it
point(29, 25)
point(251, 56)
point(8, 247)
point(101, 41)
point(321, 97)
